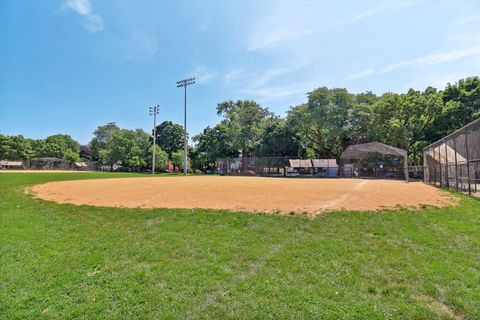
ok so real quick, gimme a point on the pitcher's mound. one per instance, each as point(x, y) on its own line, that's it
point(281, 195)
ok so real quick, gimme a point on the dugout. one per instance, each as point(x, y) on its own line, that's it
point(454, 161)
point(277, 166)
point(374, 160)
point(49, 163)
point(5, 164)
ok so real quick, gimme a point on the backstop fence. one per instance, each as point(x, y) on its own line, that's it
point(376, 167)
point(278, 167)
point(454, 161)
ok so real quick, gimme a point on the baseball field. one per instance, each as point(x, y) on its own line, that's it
point(123, 246)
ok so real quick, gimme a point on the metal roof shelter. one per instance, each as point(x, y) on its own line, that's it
point(325, 163)
point(358, 151)
point(300, 163)
point(7, 163)
point(374, 160)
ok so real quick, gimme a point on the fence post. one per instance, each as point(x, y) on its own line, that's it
point(440, 166)
point(468, 165)
point(446, 166)
point(424, 166)
point(456, 163)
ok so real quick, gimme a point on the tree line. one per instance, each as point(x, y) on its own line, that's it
point(329, 121)
point(56, 146)
point(333, 119)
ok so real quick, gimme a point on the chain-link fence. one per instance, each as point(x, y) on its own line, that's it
point(369, 160)
point(278, 166)
point(454, 161)
point(50, 164)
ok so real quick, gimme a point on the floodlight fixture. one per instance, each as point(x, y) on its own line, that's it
point(153, 111)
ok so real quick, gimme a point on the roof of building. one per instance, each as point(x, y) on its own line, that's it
point(363, 150)
point(324, 163)
point(299, 163)
point(11, 163)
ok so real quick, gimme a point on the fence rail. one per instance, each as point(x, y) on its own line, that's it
point(454, 161)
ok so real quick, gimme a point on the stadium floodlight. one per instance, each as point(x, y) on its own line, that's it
point(153, 112)
point(185, 83)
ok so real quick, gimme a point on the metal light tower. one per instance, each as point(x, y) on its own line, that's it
point(184, 83)
point(153, 112)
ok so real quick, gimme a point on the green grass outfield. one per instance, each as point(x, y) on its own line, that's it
point(66, 262)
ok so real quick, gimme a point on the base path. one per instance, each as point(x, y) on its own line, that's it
point(282, 195)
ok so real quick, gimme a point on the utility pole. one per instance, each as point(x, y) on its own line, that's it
point(184, 83)
point(153, 112)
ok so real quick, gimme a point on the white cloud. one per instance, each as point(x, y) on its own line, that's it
point(269, 84)
point(466, 20)
point(92, 22)
point(362, 74)
point(203, 75)
point(296, 91)
point(276, 36)
point(435, 58)
point(380, 7)
point(365, 14)
point(233, 75)
point(270, 93)
point(268, 75)
point(431, 59)
point(144, 45)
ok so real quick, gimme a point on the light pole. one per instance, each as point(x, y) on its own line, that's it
point(184, 83)
point(153, 112)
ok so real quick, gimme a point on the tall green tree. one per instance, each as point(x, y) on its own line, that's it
point(101, 140)
point(18, 148)
point(245, 122)
point(178, 160)
point(278, 140)
point(169, 137)
point(461, 105)
point(322, 124)
point(402, 120)
point(198, 159)
point(215, 143)
point(161, 158)
point(130, 148)
point(71, 156)
point(59, 145)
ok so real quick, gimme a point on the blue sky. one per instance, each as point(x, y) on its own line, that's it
point(68, 66)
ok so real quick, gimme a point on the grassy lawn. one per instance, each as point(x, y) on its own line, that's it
point(65, 261)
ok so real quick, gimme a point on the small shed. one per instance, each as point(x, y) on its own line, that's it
point(325, 167)
point(300, 163)
point(81, 165)
point(6, 164)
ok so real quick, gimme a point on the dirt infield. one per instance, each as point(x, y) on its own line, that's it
point(281, 195)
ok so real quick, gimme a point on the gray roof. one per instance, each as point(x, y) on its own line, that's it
point(364, 150)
